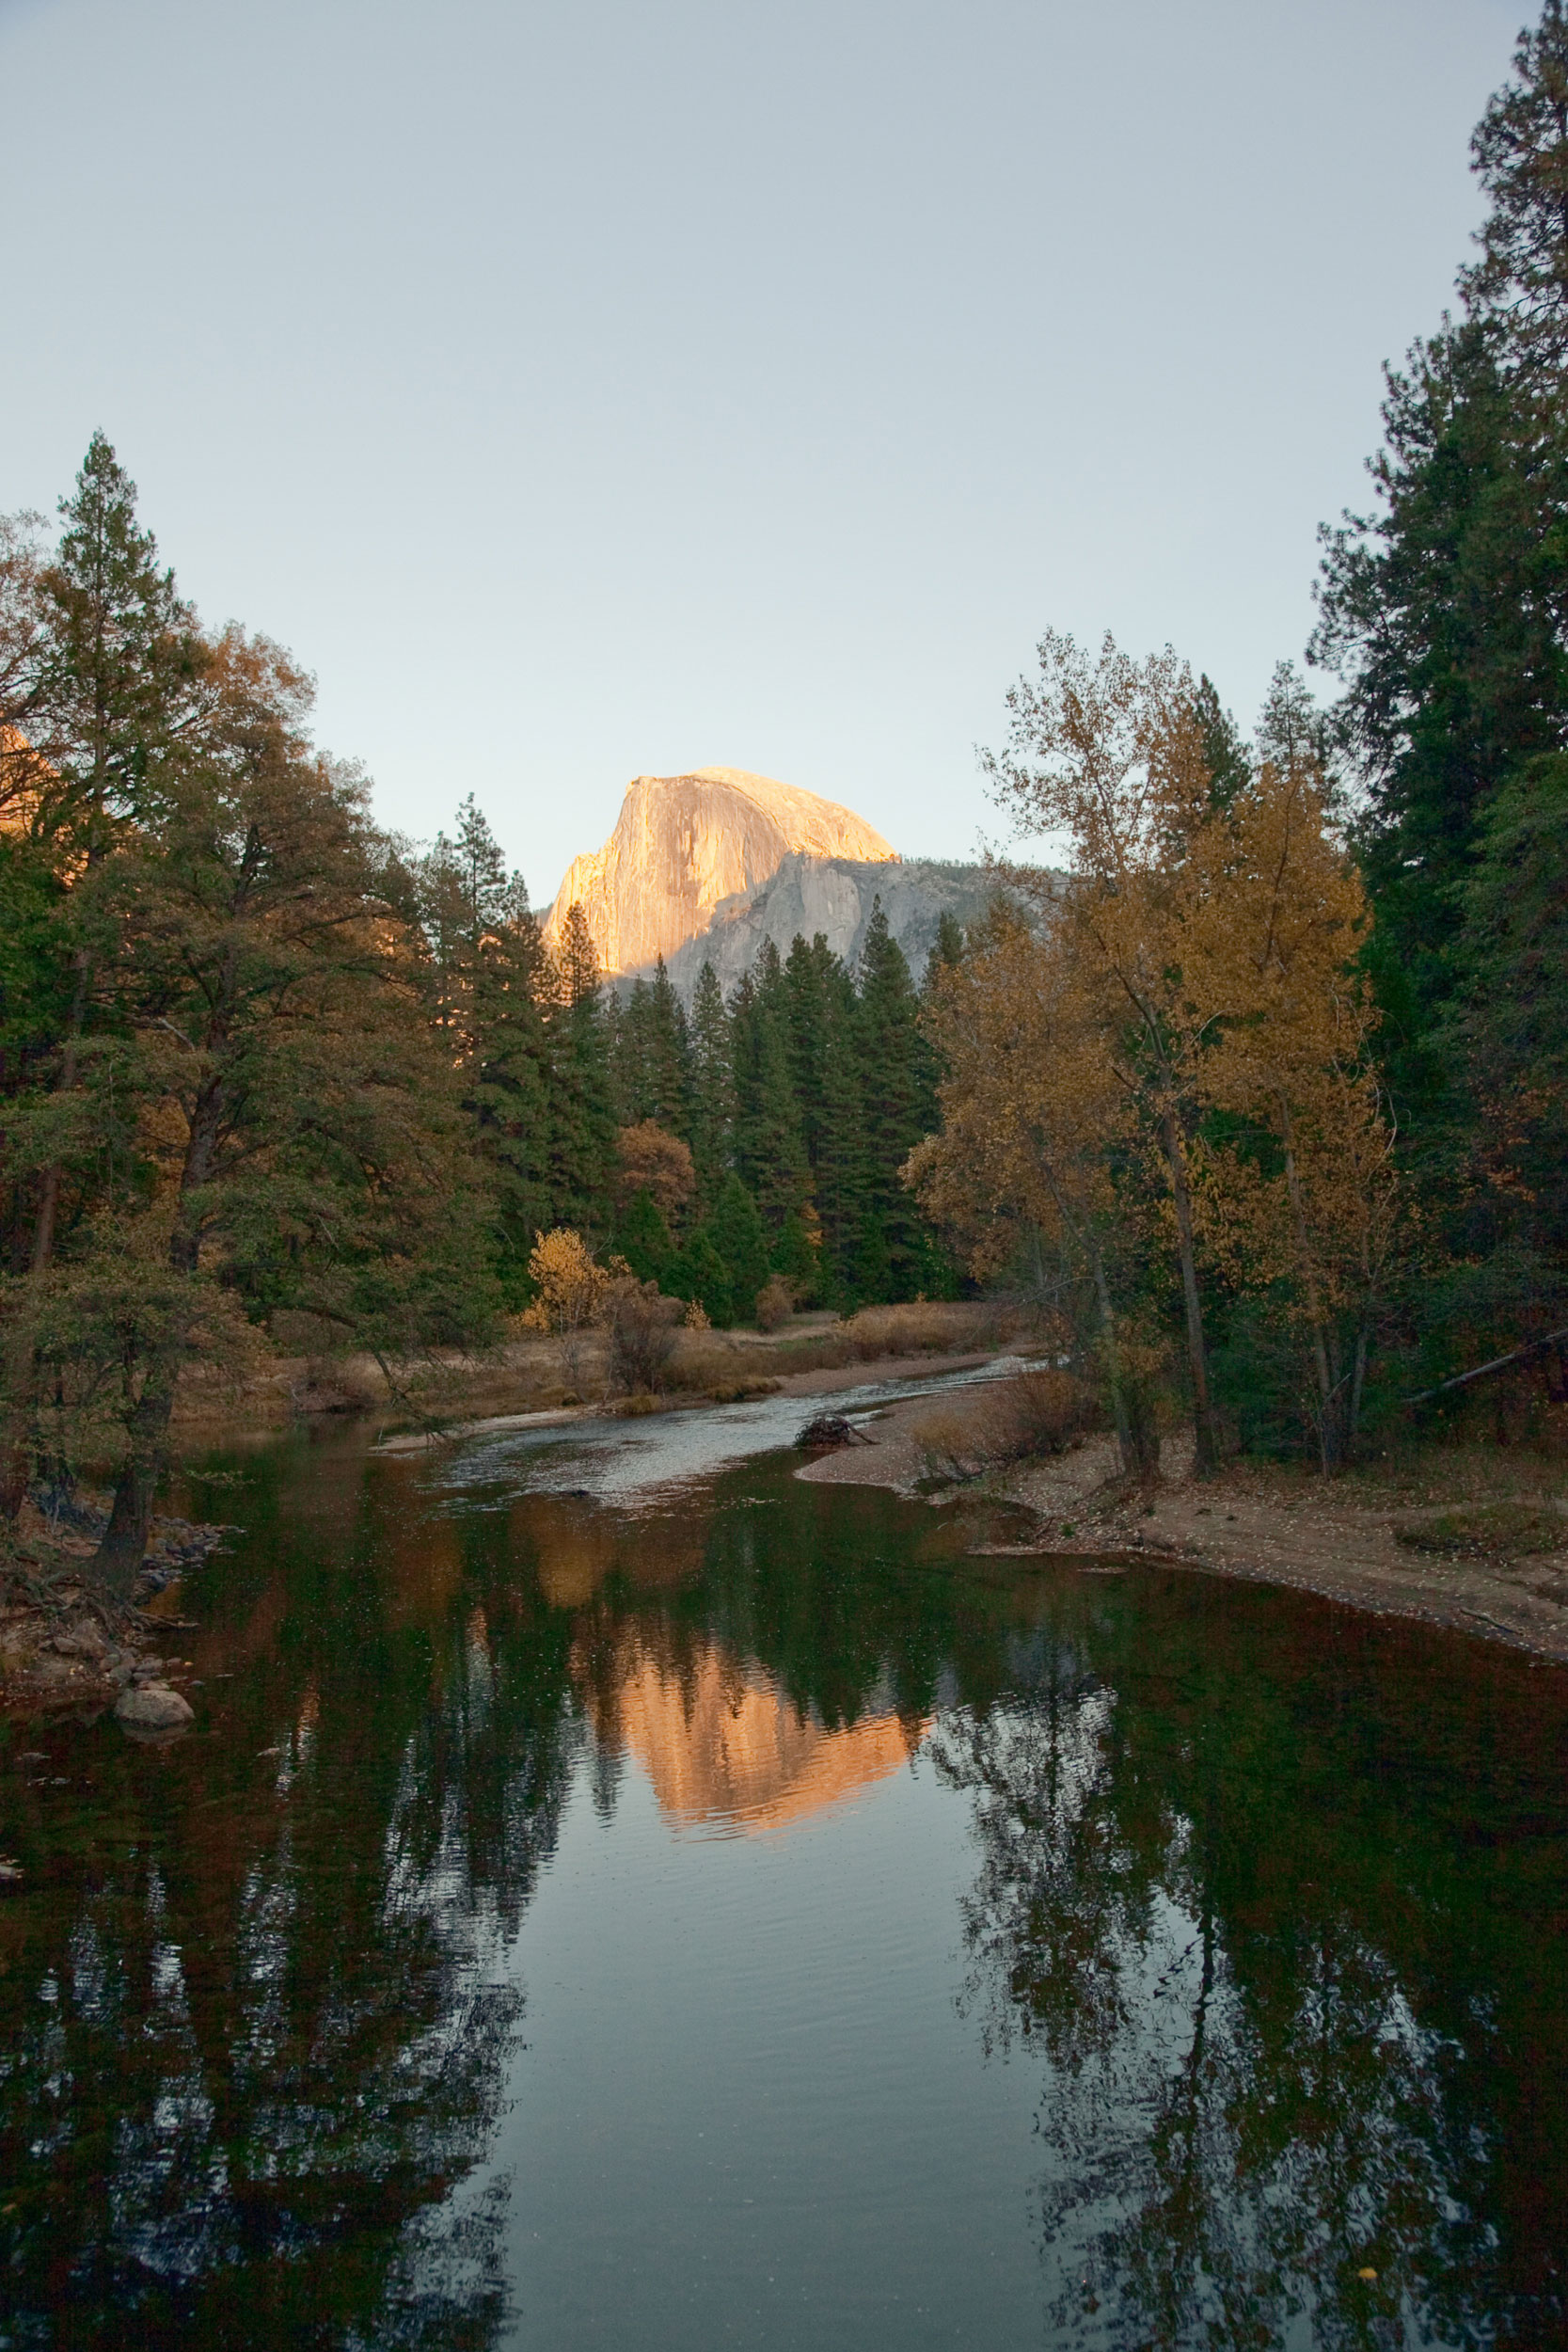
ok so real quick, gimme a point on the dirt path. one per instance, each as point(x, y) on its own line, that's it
point(1272, 1527)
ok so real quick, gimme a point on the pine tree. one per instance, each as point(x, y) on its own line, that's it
point(667, 1056)
point(827, 1079)
point(770, 1147)
point(1445, 612)
point(114, 681)
point(735, 1230)
point(643, 1238)
point(711, 1117)
point(947, 952)
point(1223, 746)
point(699, 1273)
point(626, 1033)
point(894, 1086)
point(582, 1122)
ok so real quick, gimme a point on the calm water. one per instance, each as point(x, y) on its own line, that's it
point(616, 1895)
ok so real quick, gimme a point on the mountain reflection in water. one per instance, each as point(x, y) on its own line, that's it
point(1261, 1902)
point(725, 1750)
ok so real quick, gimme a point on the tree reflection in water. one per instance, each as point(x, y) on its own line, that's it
point(1262, 2085)
point(1273, 1892)
point(254, 2027)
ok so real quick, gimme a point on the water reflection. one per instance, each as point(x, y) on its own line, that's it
point(726, 1751)
point(1270, 1896)
point(1272, 1943)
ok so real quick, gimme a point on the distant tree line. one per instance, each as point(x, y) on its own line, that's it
point(758, 1138)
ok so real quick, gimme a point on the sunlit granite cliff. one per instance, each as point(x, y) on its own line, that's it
point(683, 845)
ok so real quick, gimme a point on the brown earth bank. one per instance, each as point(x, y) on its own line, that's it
point(63, 1651)
point(1474, 1538)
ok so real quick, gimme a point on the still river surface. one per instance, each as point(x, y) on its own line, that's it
point(616, 1894)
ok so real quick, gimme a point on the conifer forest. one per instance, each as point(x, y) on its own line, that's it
point(1263, 1099)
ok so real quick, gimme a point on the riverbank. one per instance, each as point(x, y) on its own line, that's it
point(62, 1649)
point(529, 1374)
point(1447, 1537)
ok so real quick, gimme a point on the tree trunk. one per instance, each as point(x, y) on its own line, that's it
point(20, 1363)
point(1206, 1452)
point(119, 1555)
point(1331, 1446)
point(117, 1562)
point(1137, 1436)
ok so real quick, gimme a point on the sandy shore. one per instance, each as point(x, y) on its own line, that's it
point(1270, 1526)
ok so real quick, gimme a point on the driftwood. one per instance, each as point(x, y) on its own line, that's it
point(829, 1431)
point(1498, 1363)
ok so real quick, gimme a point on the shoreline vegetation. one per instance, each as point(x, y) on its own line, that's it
point(1253, 1121)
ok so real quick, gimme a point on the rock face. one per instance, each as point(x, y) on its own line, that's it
point(683, 846)
point(833, 895)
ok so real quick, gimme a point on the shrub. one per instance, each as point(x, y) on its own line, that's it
point(641, 1324)
point(950, 1443)
point(775, 1304)
point(1001, 1422)
point(1039, 1412)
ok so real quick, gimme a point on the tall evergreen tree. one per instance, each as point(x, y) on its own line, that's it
point(490, 984)
point(583, 1121)
point(114, 681)
point(1446, 614)
point(735, 1228)
point(769, 1149)
point(668, 1054)
point(893, 1082)
point(1223, 748)
point(711, 1117)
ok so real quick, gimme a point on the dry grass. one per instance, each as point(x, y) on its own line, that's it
point(1039, 1414)
point(934, 1328)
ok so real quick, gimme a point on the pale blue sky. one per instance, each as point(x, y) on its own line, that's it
point(589, 390)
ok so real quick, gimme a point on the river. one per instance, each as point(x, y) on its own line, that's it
point(616, 1894)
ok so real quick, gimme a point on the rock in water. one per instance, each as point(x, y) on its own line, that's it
point(684, 844)
point(154, 1707)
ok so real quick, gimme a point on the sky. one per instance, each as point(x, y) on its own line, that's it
point(586, 389)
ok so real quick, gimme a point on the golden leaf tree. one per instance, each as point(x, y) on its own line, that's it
point(569, 1292)
point(1195, 962)
point(1031, 1107)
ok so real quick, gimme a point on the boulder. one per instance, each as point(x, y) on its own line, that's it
point(154, 1707)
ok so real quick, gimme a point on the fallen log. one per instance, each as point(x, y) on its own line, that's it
point(827, 1431)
